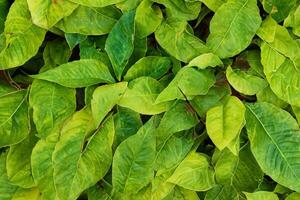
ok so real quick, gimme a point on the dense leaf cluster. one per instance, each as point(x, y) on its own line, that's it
point(149, 99)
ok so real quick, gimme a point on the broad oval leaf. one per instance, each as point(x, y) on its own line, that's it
point(14, 119)
point(18, 162)
point(151, 66)
point(78, 166)
point(141, 94)
point(224, 122)
point(194, 173)
point(52, 104)
point(187, 83)
point(78, 74)
point(245, 82)
point(205, 60)
point(47, 13)
point(132, 167)
point(173, 37)
point(120, 43)
point(19, 30)
point(275, 143)
point(280, 59)
point(90, 21)
point(148, 17)
point(105, 98)
point(239, 19)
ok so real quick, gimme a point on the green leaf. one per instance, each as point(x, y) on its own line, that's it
point(241, 172)
point(261, 195)
point(174, 38)
point(293, 20)
point(280, 58)
point(19, 30)
point(205, 60)
point(141, 94)
point(224, 122)
point(267, 95)
point(24, 194)
point(14, 124)
point(99, 192)
point(78, 166)
point(96, 3)
point(194, 173)
point(42, 166)
point(245, 82)
point(203, 103)
point(151, 66)
point(90, 21)
point(181, 9)
point(127, 123)
point(240, 19)
point(214, 5)
point(47, 13)
point(132, 167)
point(105, 98)
point(293, 196)
point(18, 162)
point(274, 139)
point(178, 118)
point(7, 189)
point(278, 9)
point(74, 39)
point(52, 104)
point(148, 17)
point(222, 192)
point(78, 74)
point(188, 82)
point(180, 193)
point(120, 43)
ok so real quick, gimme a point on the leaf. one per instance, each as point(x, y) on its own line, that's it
point(178, 118)
point(105, 98)
point(24, 194)
point(173, 37)
point(14, 125)
point(132, 167)
point(188, 82)
point(267, 95)
point(148, 17)
point(77, 74)
point(96, 3)
point(181, 9)
point(52, 104)
point(278, 9)
point(194, 173)
point(90, 21)
point(293, 20)
point(7, 189)
point(241, 172)
point(99, 192)
point(280, 59)
point(141, 94)
point(42, 166)
point(244, 82)
point(274, 138)
point(18, 162)
point(78, 166)
point(180, 193)
point(47, 13)
point(224, 122)
point(74, 39)
point(214, 5)
point(18, 31)
point(205, 60)
point(293, 196)
point(127, 123)
point(222, 192)
point(120, 43)
point(239, 19)
point(151, 66)
point(261, 195)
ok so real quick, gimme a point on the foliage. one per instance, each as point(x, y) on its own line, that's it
point(149, 99)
